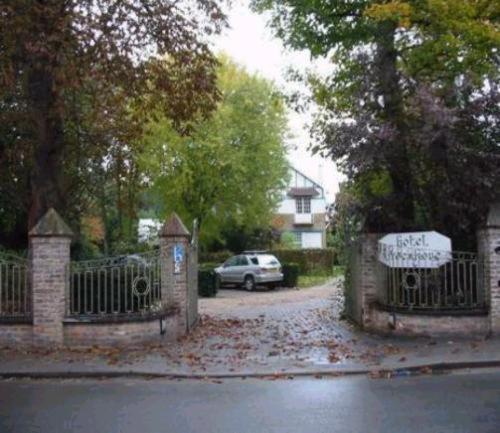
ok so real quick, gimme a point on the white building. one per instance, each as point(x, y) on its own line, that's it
point(302, 211)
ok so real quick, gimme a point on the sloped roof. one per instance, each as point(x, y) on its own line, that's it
point(174, 227)
point(51, 224)
point(316, 184)
point(303, 192)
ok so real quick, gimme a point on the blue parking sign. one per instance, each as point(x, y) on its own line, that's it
point(178, 257)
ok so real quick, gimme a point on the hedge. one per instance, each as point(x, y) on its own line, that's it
point(290, 274)
point(217, 257)
point(207, 281)
point(309, 260)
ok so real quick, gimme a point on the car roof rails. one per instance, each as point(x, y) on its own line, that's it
point(256, 252)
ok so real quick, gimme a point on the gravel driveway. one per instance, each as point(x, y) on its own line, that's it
point(276, 303)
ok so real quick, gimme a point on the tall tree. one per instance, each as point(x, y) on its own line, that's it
point(229, 172)
point(52, 52)
point(390, 60)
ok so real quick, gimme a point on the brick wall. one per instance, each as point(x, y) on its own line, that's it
point(363, 277)
point(368, 289)
point(50, 258)
point(426, 325)
point(494, 278)
point(285, 222)
point(111, 334)
point(50, 243)
point(488, 243)
point(13, 334)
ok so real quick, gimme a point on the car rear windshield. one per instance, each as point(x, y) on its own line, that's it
point(268, 260)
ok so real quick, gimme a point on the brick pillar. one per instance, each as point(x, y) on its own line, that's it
point(174, 242)
point(369, 287)
point(50, 242)
point(489, 253)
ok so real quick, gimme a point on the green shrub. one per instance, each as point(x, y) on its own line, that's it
point(207, 281)
point(288, 241)
point(215, 257)
point(309, 260)
point(290, 274)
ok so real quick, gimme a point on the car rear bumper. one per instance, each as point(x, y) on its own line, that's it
point(269, 278)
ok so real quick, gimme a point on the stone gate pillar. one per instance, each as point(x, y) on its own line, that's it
point(50, 242)
point(368, 288)
point(174, 243)
point(489, 253)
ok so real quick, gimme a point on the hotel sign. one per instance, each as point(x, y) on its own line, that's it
point(414, 250)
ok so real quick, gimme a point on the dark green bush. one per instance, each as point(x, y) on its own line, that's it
point(290, 274)
point(207, 281)
point(309, 260)
point(218, 257)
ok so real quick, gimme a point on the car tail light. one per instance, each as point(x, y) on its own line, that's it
point(263, 270)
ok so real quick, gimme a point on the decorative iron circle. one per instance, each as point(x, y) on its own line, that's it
point(411, 280)
point(141, 286)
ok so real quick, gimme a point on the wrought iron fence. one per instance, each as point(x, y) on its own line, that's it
point(123, 285)
point(15, 288)
point(440, 281)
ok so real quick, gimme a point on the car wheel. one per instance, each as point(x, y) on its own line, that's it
point(249, 283)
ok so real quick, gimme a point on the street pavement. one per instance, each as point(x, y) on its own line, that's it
point(457, 403)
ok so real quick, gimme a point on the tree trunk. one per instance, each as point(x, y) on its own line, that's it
point(47, 122)
point(397, 157)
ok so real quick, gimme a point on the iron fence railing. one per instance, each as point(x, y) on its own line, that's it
point(15, 288)
point(454, 282)
point(124, 285)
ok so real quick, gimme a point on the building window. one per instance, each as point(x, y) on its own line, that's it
point(306, 204)
point(303, 204)
point(298, 238)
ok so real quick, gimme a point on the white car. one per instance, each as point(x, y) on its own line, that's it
point(249, 269)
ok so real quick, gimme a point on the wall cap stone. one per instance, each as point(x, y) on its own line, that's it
point(174, 227)
point(493, 220)
point(51, 224)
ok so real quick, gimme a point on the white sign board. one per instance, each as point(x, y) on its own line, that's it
point(414, 250)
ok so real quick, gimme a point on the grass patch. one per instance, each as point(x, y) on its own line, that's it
point(317, 279)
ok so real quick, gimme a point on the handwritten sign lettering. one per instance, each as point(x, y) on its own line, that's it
point(414, 250)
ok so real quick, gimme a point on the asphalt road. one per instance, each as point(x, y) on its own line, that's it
point(455, 403)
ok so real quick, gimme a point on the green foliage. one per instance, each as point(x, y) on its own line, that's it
point(77, 82)
point(346, 223)
point(308, 260)
point(229, 172)
point(305, 281)
point(410, 105)
point(287, 241)
point(218, 257)
point(207, 281)
point(291, 273)
point(240, 238)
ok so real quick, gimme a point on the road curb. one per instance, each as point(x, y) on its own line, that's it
point(430, 368)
